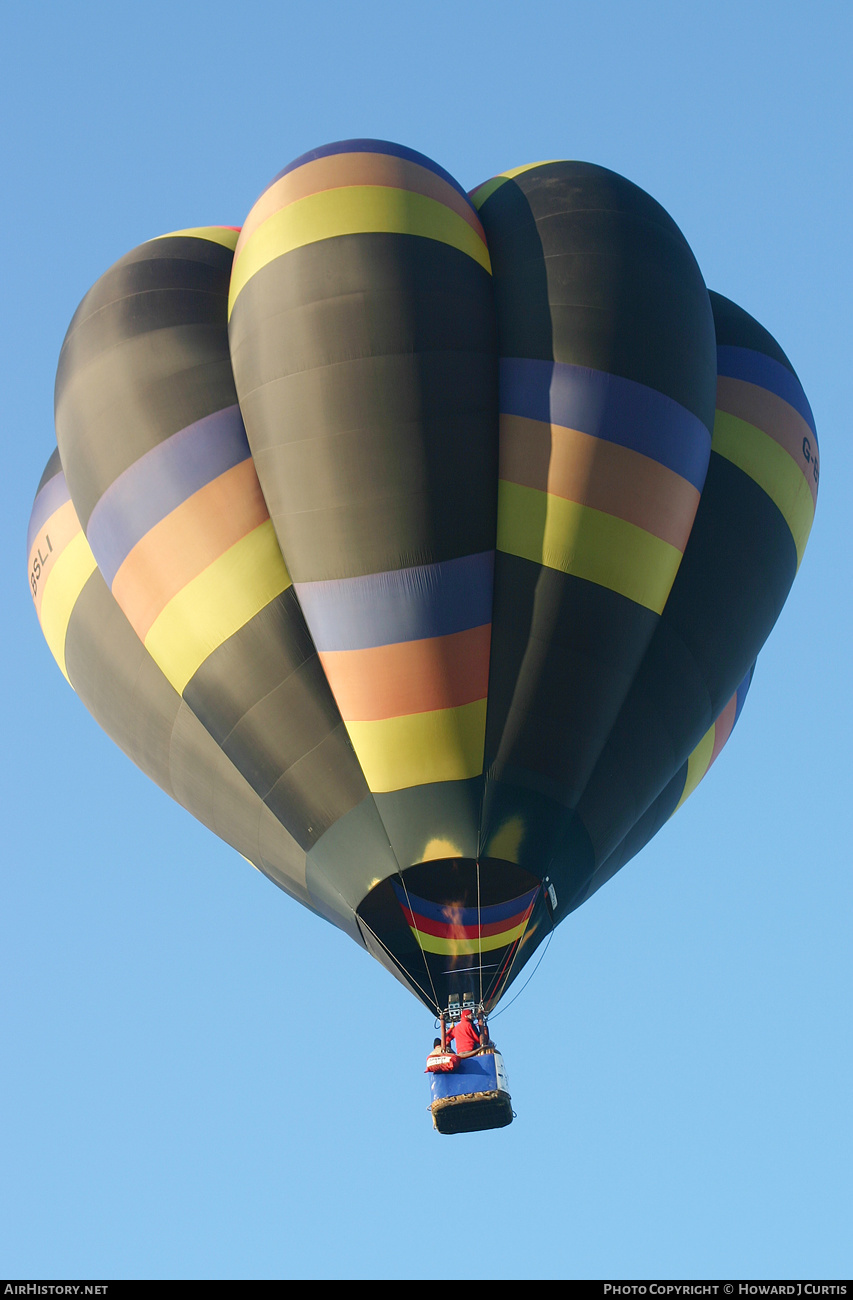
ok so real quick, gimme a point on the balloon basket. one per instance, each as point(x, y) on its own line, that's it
point(473, 1097)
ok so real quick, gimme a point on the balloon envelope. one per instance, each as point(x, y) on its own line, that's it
point(436, 538)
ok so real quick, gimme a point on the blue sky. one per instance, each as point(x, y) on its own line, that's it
point(680, 1062)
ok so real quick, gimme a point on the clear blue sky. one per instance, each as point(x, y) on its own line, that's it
point(681, 1062)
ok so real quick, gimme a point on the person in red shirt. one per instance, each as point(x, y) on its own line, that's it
point(466, 1035)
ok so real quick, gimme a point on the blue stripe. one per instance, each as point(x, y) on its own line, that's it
point(53, 495)
point(160, 481)
point(609, 407)
point(464, 915)
point(373, 146)
point(402, 605)
point(766, 372)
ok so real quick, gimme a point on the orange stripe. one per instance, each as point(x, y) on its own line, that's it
point(189, 539)
point(723, 727)
point(594, 472)
point(773, 416)
point(393, 681)
point(343, 169)
point(59, 529)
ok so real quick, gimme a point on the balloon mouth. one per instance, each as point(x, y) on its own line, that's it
point(456, 927)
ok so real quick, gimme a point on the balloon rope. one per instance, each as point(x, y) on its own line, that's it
point(479, 933)
point(400, 965)
point(420, 945)
point(510, 960)
point(529, 978)
point(494, 989)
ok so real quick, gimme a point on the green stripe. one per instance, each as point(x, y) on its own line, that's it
point(772, 468)
point(587, 543)
point(486, 190)
point(353, 210)
point(697, 765)
point(216, 603)
point(66, 580)
point(223, 235)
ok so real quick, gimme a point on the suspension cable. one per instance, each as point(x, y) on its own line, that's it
point(514, 951)
point(479, 933)
point(400, 965)
point(420, 945)
point(529, 978)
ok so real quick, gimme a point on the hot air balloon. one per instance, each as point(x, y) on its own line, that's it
point(422, 545)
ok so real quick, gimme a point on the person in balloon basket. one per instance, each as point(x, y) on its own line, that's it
point(440, 1060)
point(466, 1034)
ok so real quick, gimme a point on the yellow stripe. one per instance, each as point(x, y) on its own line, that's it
point(587, 543)
point(487, 189)
point(505, 842)
point(465, 947)
point(216, 235)
point(697, 765)
point(772, 468)
point(352, 210)
point(440, 848)
point(69, 575)
point(421, 748)
point(216, 604)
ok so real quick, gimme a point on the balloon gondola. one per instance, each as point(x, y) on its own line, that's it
point(474, 1097)
point(421, 544)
